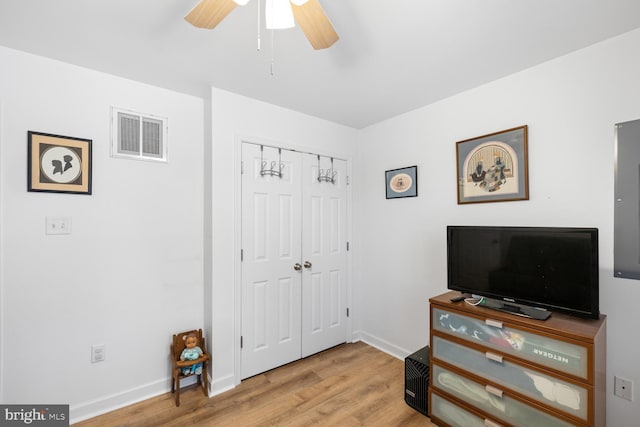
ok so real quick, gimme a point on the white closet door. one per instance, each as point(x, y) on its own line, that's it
point(294, 268)
point(324, 254)
point(271, 242)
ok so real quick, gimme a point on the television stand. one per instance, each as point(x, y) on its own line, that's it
point(519, 310)
point(551, 373)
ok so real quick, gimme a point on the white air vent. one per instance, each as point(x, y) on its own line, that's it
point(138, 136)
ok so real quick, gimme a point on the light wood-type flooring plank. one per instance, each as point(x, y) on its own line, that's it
point(348, 385)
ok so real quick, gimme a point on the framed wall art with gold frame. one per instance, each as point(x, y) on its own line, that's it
point(402, 182)
point(58, 164)
point(493, 167)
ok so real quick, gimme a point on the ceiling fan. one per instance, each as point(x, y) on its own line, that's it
point(307, 13)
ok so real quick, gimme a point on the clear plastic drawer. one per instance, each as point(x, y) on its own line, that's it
point(492, 401)
point(563, 356)
point(456, 416)
point(567, 397)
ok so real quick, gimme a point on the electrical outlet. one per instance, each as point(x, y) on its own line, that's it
point(97, 353)
point(623, 388)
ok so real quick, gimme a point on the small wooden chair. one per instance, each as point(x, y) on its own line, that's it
point(177, 347)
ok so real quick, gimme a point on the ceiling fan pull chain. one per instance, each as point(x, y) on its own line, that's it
point(273, 49)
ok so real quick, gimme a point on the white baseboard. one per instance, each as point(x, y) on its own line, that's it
point(110, 403)
point(220, 385)
point(380, 344)
point(97, 407)
point(106, 404)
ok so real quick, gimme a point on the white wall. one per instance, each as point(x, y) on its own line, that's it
point(129, 275)
point(237, 118)
point(570, 105)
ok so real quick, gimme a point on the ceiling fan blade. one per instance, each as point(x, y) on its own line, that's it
point(209, 13)
point(315, 24)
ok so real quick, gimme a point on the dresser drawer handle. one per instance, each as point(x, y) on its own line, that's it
point(494, 323)
point(494, 357)
point(493, 390)
point(490, 423)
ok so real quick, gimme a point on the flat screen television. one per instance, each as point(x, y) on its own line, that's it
point(547, 268)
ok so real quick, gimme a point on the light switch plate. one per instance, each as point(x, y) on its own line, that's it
point(58, 225)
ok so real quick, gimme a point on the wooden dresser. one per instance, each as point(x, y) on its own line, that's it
point(489, 368)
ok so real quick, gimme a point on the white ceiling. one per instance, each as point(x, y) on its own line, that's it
point(392, 56)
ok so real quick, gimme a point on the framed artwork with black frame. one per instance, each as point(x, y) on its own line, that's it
point(402, 182)
point(493, 167)
point(58, 164)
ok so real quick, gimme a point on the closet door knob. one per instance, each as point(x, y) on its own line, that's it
point(297, 266)
point(307, 264)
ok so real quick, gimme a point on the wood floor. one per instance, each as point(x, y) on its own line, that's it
point(348, 385)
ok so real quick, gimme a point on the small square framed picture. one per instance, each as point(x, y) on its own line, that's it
point(58, 164)
point(402, 182)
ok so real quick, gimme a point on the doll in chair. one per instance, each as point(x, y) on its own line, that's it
point(191, 352)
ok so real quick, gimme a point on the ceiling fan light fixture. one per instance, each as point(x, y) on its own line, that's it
point(279, 15)
point(241, 2)
point(299, 2)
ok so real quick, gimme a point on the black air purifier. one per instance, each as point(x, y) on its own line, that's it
point(416, 379)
